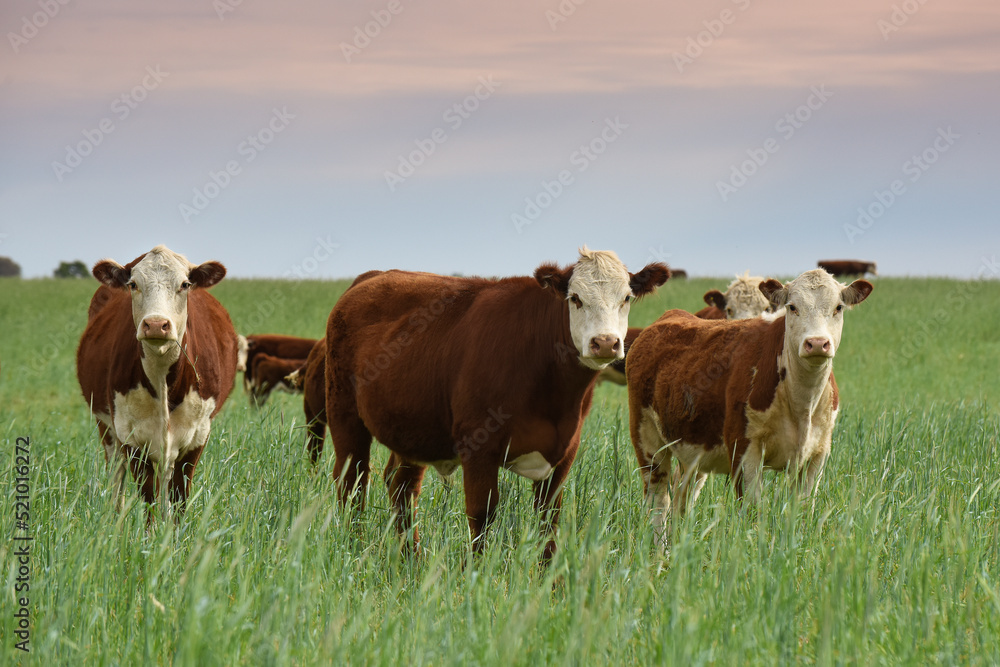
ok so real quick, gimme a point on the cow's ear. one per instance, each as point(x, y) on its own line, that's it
point(775, 292)
point(856, 292)
point(207, 274)
point(111, 273)
point(550, 275)
point(648, 279)
point(714, 297)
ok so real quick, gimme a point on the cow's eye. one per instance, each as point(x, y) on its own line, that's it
point(729, 312)
point(131, 285)
point(792, 308)
point(840, 307)
point(575, 300)
point(185, 285)
point(628, 298)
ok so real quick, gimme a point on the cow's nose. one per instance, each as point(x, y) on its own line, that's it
point(605, 346)
point(154, 328)
point(817, 346)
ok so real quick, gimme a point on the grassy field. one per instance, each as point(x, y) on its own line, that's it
point(895, 560)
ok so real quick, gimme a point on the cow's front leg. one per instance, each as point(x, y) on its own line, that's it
point(548, 501)
point(811, 473)
point(482, 494)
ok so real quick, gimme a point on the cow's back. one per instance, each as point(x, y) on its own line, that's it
point(690, 370)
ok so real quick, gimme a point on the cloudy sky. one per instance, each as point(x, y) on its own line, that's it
point(326, 139)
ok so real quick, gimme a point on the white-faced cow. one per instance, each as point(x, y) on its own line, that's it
point(733, 397)
point(479, 373)
point(155, 363)
point(743, 300)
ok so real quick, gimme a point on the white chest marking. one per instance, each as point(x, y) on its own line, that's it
point(144, 421)
point(532, 465)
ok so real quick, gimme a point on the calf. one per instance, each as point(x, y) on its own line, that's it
point(479, 373)
point(274, 345)
point(156, 362)
point(731, 397)
point(270, 373)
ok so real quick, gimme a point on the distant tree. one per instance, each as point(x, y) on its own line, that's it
point(75, 269)
point(9, 268)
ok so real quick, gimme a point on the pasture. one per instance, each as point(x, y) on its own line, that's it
point(895, 559)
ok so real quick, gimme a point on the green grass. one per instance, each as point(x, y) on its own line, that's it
point(895, 560)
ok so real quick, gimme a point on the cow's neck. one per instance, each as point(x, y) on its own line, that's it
point(807, 384)
point(156, 364)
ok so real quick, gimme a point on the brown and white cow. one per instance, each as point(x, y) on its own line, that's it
point(291, 348)
point(155, 363)
point(732, 397)
point(847, 267)
point(479, 373)
point(743, 300)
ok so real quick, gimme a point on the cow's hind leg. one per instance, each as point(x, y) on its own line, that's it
point(352, 444)
point(404, 479)
point(315, 430)
point(655, 461)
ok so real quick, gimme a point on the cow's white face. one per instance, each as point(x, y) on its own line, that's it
point(743, 299)
point(159, 282)
point(599, 290)
point(814, 312)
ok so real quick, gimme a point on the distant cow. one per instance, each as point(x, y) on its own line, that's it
point(155, 363)
point(731, 397)
point(743, 300)
point(847, 267)
point(269, 373)
point(274, 345)
point(679, 273)
point(479, 373)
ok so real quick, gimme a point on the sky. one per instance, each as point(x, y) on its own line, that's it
point(321, 140)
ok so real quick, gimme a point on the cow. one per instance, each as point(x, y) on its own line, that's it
point(847, 267)
point(480, 373)
point(275, 345)
point(270, 373)
point(732, 397)
point(156, 362)
point(742, 300)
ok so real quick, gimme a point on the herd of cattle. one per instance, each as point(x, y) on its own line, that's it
point(482, 374)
